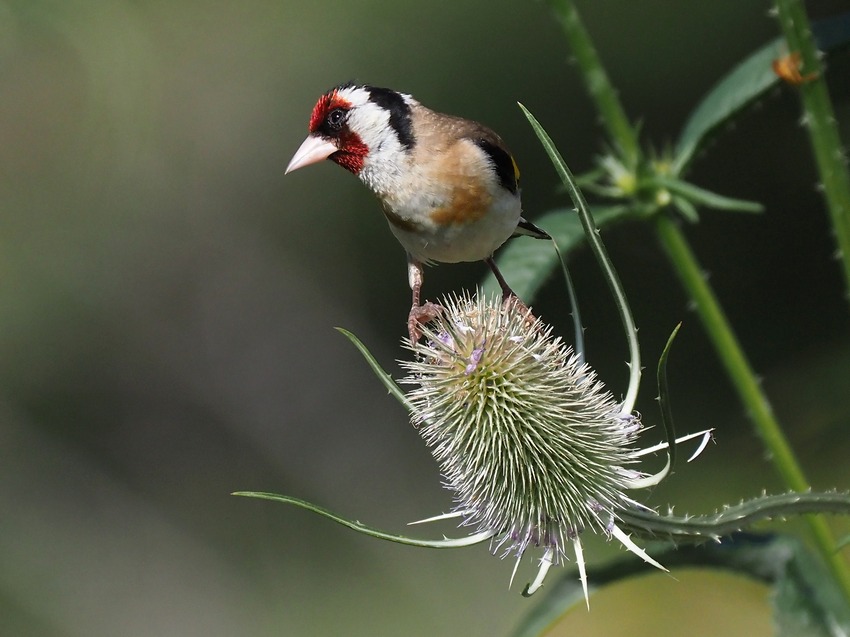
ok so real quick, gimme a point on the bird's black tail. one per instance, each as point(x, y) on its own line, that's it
point(527, 229)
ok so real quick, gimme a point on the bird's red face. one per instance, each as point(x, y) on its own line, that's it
point(331, 136)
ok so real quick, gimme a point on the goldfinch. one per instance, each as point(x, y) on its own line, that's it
point(448, 186)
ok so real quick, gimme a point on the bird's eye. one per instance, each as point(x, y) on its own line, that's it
point(336, 119)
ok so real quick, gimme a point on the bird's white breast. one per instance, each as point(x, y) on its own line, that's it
point(457, 241)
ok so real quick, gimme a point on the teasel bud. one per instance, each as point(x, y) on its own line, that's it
point(532, 445)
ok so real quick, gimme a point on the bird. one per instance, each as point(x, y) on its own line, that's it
point(448, 186)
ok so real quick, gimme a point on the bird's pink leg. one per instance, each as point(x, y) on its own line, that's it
point(509, 297)
point(419, 314)
point(507, 292)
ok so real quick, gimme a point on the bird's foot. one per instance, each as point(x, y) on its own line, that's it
point(420, 315)
point(513, 302)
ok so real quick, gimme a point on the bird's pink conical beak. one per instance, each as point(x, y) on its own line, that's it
point(312, 150)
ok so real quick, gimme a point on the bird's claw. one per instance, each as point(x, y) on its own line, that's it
point(420, 315)
point(511, 302)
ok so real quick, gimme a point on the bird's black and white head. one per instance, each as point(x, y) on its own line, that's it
point(365, 129)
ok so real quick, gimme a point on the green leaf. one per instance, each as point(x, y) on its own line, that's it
point(591, 232)
point(741, 87)
point(686, 209)
point(527, 263)
point(355, 525)
point(701, 196)
point(664, 397)
point(731, 519)
point(805, 599)
point(383, 376)
point(748, 81)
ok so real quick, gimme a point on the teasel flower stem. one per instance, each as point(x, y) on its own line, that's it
point(612, 114)
point(819, 120)
point(746, 384)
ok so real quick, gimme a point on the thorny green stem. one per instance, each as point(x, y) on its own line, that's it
point(702, 528)
point(819, 118)
point(745, 383)
point(596, 80)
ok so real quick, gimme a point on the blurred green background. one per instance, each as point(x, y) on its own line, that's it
point(168, 298)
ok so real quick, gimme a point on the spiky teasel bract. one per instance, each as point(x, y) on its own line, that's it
point(533, 446)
